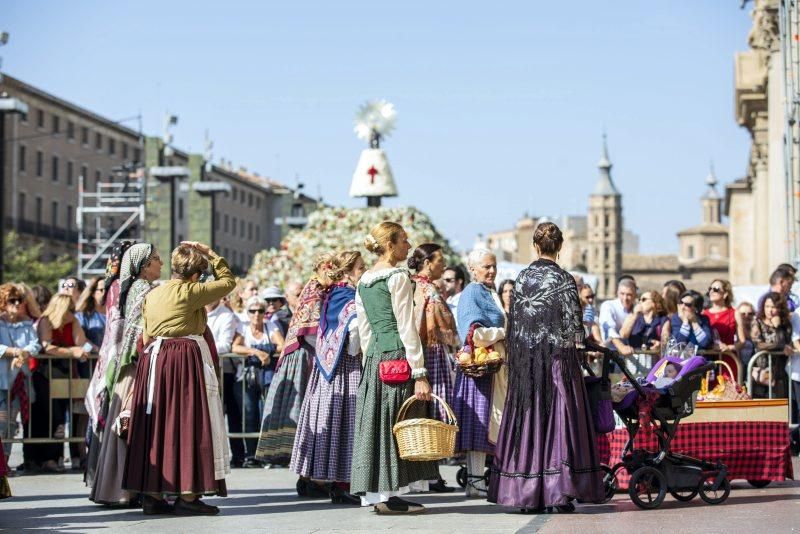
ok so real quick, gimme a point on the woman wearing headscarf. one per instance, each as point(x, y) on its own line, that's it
point(96, 399)
point(478, 402)
point(323, 445)
point(285, 396)
point(437, 332)
point(139, 268)
point(177, 442)
point(545, 454)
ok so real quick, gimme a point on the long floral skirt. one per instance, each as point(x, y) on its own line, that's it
point(377, 466)
point(472, 404)
point(171, 450)
point(555, 459)
point(110, 468)
point(323, 446)
point(282, 407)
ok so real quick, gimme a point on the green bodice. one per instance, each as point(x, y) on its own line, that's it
point(377, 301)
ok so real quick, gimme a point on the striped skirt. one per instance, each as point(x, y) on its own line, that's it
point(282, 407)
point(377, 466)
point(440, 377)
point(323, 445)
point(472, 404)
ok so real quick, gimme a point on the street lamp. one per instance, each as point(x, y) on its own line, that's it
point(8, 106)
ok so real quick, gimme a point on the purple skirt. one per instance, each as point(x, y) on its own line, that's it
point(556, 460)
point(440, 377)
point(472, 404)
point(323, 444)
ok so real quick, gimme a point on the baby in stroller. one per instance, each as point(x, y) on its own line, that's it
point(669, 394)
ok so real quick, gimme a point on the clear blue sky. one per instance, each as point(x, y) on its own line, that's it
point(500, 106)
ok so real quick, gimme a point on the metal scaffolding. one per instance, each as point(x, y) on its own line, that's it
point(789, 27)
point(114, 210)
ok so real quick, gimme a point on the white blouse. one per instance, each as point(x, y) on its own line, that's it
point(402, 292)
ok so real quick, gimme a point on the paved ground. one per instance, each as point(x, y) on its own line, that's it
point(265, 501)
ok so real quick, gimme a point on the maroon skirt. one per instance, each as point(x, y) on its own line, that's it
point(170, 450)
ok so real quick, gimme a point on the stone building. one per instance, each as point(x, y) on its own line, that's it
point(756, 205)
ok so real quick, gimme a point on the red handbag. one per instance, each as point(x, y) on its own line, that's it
point(394, 371)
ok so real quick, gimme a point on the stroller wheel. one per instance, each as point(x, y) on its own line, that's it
point(647, 488)
point(684, 495)
point(759, 483)
point(712, 496)
point(610, 484)
point(461, 476)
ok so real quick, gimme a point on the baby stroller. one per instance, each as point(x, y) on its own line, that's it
point(654, 474)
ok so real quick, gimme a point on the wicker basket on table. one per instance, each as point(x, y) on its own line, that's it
point(423, 439)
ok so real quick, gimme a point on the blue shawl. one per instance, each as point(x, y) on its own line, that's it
point(476, 305)
point(338, 309)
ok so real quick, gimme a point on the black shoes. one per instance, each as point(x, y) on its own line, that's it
point(340, 496)
point(568, 508)
point(396, 506)
point(195, 507)
point(252, 463)
point(440, 486)
point(311, 490)
point(153, 506)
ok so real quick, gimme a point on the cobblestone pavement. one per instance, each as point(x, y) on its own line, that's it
point(265, 501)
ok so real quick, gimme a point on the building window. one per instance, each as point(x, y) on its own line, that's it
point(112, 147)
point(38, 214)
point(84, 135)
point(234, 225)
point(54, 215)
point(39, 163)
point(70, 130)
point(56, 124)
point(235, 192)
point(24, 117)
point(690, 251)
point(250, 199)
point(124, 150)
point(137, 154)
point(241, 228)
point(606, 252)
point(69, 221)
point(98, 141)
point(21, 206)
point(258, 203)
point(85, 174)
point(69, 173)
point(225, 224)
point(250, 231)
point(40, 118)
point(22, 156)
point(55, 168)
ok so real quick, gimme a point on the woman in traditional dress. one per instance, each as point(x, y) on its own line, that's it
point(177, 442)
point(139, 268)
point(285, 396)
point(545, 454)
point(437, 332)
point(323, 445)
point(386, 329)
point(97, 398)
point(478, 402)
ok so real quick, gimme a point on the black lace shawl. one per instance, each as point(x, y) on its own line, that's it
point(544, 324)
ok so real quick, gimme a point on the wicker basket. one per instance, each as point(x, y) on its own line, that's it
point(477, 370)
point(422, 439)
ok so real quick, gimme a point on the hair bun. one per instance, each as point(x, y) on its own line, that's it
point(413, 263)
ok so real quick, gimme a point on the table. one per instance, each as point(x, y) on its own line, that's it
point(750, 437)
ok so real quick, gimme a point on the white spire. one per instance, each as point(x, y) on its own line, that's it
point(711, 181)
point(604, 185)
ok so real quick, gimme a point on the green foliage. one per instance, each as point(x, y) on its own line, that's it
point(23, 263)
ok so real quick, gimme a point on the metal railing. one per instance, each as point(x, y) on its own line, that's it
point(642, 367)
point(769, 354)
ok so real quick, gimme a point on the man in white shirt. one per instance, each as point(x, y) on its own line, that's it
point(223, 324)
point(454, 279)
point(613, 314)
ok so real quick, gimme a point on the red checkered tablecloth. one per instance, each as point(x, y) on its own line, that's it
point(752, 450)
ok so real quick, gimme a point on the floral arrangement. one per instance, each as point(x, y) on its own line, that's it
point(337, 229)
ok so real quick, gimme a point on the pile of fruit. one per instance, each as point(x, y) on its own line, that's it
point(725, 390)
point(481, 356)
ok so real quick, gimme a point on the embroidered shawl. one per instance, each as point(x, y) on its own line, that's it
point(477, 305)
point(97, 392)
point(435, 322)
point(131, 332)
point(339, 310)
point(305, 320)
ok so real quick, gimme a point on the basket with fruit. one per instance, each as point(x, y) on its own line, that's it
point(479, 361)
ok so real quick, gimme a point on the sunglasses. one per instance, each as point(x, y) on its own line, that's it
point(68, 285)
point(589, 297)
point(713, 289)
point(253, 312)
point(448, 280)
point(645, 299)
point(15, 301)
point(273, 301)
point(687, 304)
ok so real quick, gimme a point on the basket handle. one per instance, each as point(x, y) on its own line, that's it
point(409, 401)
point(728, 367)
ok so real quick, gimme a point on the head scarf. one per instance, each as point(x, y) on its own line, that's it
point(305, 320)
point(131, 266)
point(112, 265)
